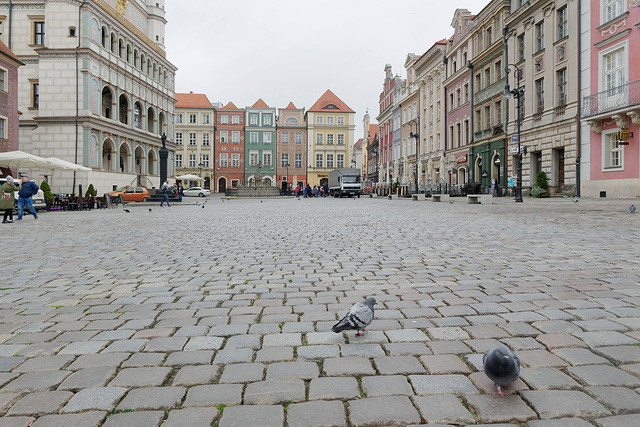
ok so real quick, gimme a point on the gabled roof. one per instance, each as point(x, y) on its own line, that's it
point(230, 106)
point(7, 52)
point(358, 143)
point(192, 100)
point(291, 106)
point(260, 104)
point(373, 131)
point(329, 102)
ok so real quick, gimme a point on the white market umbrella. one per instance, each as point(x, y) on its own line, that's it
point(68, 165)
point(20, 159)
point(189, 177)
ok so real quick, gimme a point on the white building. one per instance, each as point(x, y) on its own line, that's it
point(97, 88)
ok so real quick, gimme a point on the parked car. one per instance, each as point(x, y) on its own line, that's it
point(196, 192)
point(37, 201)
point(131, 194)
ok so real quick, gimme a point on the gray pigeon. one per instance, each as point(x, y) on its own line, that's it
point(632, 209)
point(359, 317)
point(126, 210)
point(502, 366)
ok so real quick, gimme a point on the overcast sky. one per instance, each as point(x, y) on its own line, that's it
point(294, 50)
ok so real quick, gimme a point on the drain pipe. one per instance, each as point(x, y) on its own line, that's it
point(73, 189)
point(10, 21)
point(579, 109)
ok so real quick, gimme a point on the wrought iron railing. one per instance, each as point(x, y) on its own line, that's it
point(612, 99)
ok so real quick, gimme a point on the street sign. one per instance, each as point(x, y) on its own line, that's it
point(514, 139)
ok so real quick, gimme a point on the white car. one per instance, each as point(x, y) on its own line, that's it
point(196, 192)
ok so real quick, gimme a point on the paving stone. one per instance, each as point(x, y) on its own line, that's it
point(579, 356)
point(522, 343)
point(370, 337)
point(275, 354)
point(492, 409)
point(192, 417)
point(388, 385)
point(244, 341)
point(204, 343)
point(195, 375)
point(540, 359)
point(17, 421)
point(605, 338)
point(407, 335)
point(144, 360)
point(347, 366)
point(135, 419)
point(315, 338)
point(102, 360)
point(86, 419)
point(444, 364)
point(90, 377)
point(333, 388)
point(603, 375)
point(448, 347)
point(45, 363)
point(94, 399)
point(84, 347)
point(619, 400)
point(166, 344)
point(620, 354)
point(252, 415)
point(391, 365)
point(385, 410)
point(619, 421)
point(36, 381)
point(140, 377)
point(563, 403)
point(317, 352)
point(8, 363)
point(233, 355)
point(447, 334)
point(552, 341)
point(152, 398)
point(130, 346)
point(365, 350)
point(282, 340)
point(214, 394)
point(518, 329)
point(197, 357)
point(292, 370)
point(40, 403)
point(406, 349)
point(547, 379)
point(443, 409)
point(316, 414)
point(442, 384)
point(242, 373)
point(274, 391)
point(562, 422)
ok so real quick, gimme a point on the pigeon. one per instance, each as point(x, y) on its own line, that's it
point(149, 209)
point(202, 206)
point(126, 210)
point(632, 209)
point(576, 200)
point(451, 202)
point(502, 366)
point(359, 317)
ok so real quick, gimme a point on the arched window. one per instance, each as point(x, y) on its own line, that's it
point(105, 38)
point(136, 58)
point(121, 49)
point(291, 121)
point(114, 44)
point(155, 71)
point(143, 62)
point(160, 123)
point(124, 109)
point(129, 53)
point(137, 115)
point(150, 120)
point(107, 102)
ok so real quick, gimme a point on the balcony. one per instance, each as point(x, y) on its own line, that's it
point(613, 99)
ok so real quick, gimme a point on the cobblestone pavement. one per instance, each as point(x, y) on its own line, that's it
point(186, 316)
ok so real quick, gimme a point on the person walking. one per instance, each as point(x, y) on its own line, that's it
point(165, 193)
point(27, 190)
point(7, 199)
point(180, 192)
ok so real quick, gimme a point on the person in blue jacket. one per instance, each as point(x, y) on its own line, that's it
point(27, 190)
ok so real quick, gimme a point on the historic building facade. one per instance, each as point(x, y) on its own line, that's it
point(387, 104)
point(260, 145)
point(9, 64)
point(610, 89)
point(194, 135)
point(229, 147)
point(409, 107)
point(291, 137)
point(96, 88)
point(330, 136)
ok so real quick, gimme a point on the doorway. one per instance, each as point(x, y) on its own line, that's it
point(559, 161)
point(222, 185)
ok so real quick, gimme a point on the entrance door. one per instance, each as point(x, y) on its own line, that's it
point(560, 171)
point(222, 185)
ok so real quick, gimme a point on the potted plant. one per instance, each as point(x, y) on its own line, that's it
point(90, 195)
point(541, 189)
point(48, 195)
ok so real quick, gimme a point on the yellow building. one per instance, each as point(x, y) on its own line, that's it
point(330, 137)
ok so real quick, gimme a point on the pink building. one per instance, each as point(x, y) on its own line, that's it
point(610, 89)
point(9, 113)
point(387, 105)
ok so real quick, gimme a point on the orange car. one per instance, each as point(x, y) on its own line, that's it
point(131, 194)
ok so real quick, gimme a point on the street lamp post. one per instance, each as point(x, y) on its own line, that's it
point(287, 165)
point(415, 135)
point(517, 93)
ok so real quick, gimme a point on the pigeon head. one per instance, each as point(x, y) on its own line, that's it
point(370, 302)
point(501, 357)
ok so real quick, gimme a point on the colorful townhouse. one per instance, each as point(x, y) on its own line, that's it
point(229, 147)
point(409, 107)
point(610, 91)
point(291, 137)
point(260, 145)
point(330, 136)
point(9, 115)
point(387, 106)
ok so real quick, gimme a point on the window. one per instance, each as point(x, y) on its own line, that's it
point(487, 117)
point(235, 136)
point(539, 95)
point(178, 160)
point(224, 160)
point(478, 120)
point(522, 99)
point(192, 138)
point(478, 83)
point(297, 162)
point(298, 137)
point(205, 119)
point(178, 118)
point(459, 134)
point(498, 113)
point(458, 99)
point(319, 120)
point(487, 77)
point(498, 70)
point(235, 160)
point(613, 156)
point(466, 97)
point(329, 139)
point(319, 138)
point(329, 120)
point(205, 139)
point(205, 160)
point(253, 158)
point(3, 80)
point(3, 127)
point(340, 120)
point(520, 47)
point(253, 138)
point(451, 106)
point(340, 160)
point(319, 160)
point(613, 9)
point(489, 37)
point(266, 120)
point(539, 36)
point(235, 120)
point(224, 120)
point(253, 120)
point(561, 77)
point(439, 109)
point(330, 161)
point(562, 23)
point(284, 160)
point(35, 95)
point(341, 139)
point(614, 71)
point(38, 33)
point(285, 137)
point(266, 138)
point(179, 138)
point(1, 28)
point(192, 160)
point(266, 158)
point(193, 118)
point(466, 133)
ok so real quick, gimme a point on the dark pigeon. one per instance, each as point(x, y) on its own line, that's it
point(502, 366)
point(126, 210)
point(359, 317)
point(632, 209)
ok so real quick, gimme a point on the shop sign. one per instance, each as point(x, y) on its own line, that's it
point(623, 136)
point(461, 159)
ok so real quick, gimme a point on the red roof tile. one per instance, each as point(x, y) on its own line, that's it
point(291, 106)
point(229, 106)
point(4, 49)
point(358, 143)
point(260, 104)
point(373, 130)
point(327, 100)
point(192, 100)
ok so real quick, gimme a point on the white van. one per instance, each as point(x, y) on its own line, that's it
point(37, 200)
